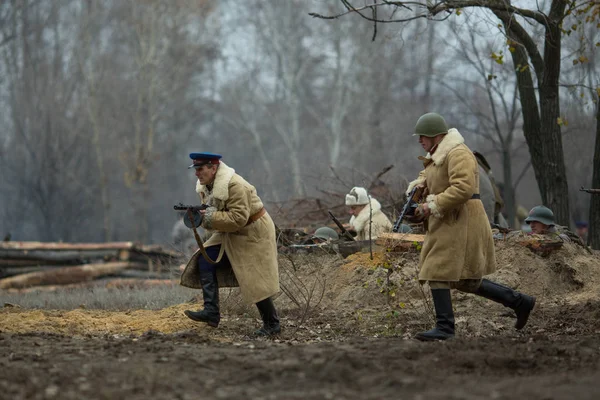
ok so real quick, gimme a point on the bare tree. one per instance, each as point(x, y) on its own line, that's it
point(487, 91)
point(167, 53)
point(47, 158)
point(540, 105)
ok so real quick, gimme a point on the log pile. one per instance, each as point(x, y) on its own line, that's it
point(36, 264)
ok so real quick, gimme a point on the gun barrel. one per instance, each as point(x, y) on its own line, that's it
point(183, 207)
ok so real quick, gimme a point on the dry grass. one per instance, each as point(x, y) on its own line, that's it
point(101, 298)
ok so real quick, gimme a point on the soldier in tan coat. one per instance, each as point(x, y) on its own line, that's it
point(242, 241)
point(458, 249)
point(367, 218)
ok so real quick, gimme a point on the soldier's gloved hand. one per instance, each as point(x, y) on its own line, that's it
point(423, 210)
point(420, 214)
point(415, 218)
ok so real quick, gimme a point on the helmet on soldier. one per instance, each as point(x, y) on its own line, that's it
point(430, 125)
point(541, 214)
point(326, 233)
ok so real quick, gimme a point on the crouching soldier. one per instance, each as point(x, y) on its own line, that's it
point(458, 249)
point(367, 218)
point(541, 221)
point(243, 241)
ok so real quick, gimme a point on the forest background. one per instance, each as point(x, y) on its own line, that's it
point(102, 101)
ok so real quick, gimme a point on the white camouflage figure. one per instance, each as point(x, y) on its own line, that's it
point(367, 218)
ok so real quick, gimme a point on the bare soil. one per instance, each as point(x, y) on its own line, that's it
point(347, 334)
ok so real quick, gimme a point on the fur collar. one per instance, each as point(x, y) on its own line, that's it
point(220, 185)
point(361, 221)
point(452, 139)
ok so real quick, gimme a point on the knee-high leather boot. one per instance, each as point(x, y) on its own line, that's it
point(444, 317)
point(521, 303)
point(267, 311)
point(210, 291)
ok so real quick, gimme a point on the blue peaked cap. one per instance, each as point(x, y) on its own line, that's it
point(200, 159)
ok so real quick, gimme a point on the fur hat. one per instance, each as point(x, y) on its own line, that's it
point(357, 197)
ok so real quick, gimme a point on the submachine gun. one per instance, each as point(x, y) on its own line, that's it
point(412, 202)
point(193, 219)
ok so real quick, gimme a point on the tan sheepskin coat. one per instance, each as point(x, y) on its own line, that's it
point(380, 222)
point(458, 241)
point(251, 249)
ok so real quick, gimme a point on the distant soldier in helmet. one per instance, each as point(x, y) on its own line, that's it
point(323, 234)
point(541, 221)
point(458, 250)
point(367, 218)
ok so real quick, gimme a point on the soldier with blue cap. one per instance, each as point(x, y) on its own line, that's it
point(243, 241)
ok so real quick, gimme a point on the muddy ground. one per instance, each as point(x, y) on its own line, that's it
point(190, 367)
point(347, 335)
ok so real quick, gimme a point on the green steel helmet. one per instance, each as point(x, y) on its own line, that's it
point(430, 125)
point(326, 233)
point(541, 214)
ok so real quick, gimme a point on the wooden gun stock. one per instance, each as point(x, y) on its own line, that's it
point(345, 232)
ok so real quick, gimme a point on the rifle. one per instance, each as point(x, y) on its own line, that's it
point(590, 191)
point(345, 233)
point(409, 207)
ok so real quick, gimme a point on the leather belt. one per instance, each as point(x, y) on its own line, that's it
point(475, 196)
point(256, 217)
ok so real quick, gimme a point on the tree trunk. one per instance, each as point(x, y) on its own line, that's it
point(509, 192)
point(556, 191)
point(594, 219)
point(431, 55)
point(540, 122)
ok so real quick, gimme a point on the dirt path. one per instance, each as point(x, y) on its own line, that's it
point(187, 366)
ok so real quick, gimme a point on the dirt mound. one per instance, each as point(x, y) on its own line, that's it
point(567, 271)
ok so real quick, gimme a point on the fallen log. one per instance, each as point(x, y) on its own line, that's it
point(151, 249)
point(5, 272)
point(17, 263)
point(64, 256)
point(66, 275)
point(67, 246)
point(400, 241)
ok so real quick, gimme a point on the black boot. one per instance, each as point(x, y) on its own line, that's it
point(521, 303)
point(210, 291)
point(444, 317)
point(267, 311)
